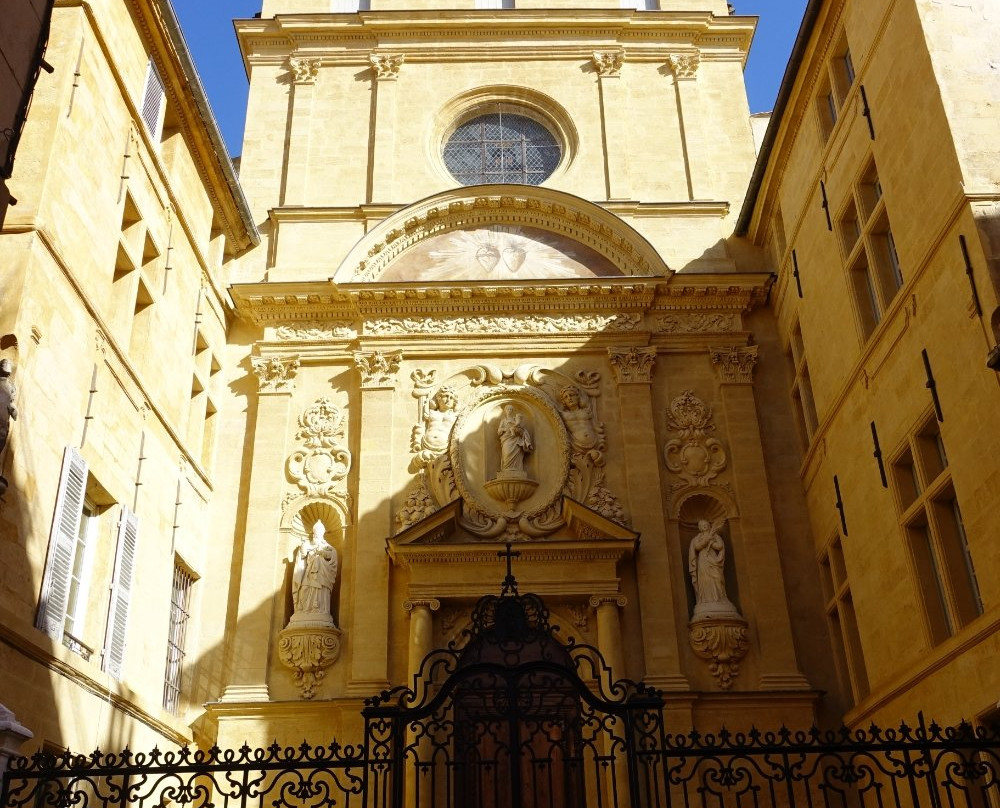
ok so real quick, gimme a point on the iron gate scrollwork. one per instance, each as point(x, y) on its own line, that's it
point(510, 717)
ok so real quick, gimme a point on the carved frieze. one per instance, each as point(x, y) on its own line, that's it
point(314, 330)
point(324, 461)
point(684, 65)
point(698, 323)
point(275, 374)
point(378, 369)
point(521, 324)
point(632, 365)
point(304, 71)
point(694, 456)
point(386, 65)
point(608, 63)
point(735, 363)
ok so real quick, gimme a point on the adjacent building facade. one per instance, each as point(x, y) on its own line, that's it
point(523, 278)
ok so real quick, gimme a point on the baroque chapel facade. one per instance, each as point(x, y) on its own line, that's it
point(512, 287)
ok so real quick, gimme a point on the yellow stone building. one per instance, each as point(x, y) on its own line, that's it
point(521, 277)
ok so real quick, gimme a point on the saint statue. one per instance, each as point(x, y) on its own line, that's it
point(515, 440)
point(578, 418)
point(313, 578)
point(8, 412)
point(706, 566)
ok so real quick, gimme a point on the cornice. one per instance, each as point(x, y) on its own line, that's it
point(561, 551)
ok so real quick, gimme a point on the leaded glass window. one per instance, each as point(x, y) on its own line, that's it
point(501, 147)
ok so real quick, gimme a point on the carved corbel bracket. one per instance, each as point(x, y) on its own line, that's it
point(309, 651)
point(721, 641)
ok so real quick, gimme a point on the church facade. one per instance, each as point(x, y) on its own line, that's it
point(522, 278)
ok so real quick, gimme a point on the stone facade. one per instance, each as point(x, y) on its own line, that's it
point(334, 432)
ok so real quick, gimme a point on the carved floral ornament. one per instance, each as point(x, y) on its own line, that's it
point(693, 456)
point(324, 461)
point(275, 374)
point(698, 323)
point(632, 365)
point(735, 363)
point(505, 324)
point(684, 65)
point(510, 445)
point(386, 65)
point(609, 63)
point(315, 330)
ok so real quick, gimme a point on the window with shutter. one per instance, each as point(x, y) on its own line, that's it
point(152, 101)
point(349, 5)
point(121, 593)
point(62, 544)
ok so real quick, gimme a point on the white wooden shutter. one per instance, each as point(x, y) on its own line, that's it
point(62, 540)
point(121, 593)
point(152, 100)
point(344, 5)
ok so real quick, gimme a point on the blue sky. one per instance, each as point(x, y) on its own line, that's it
point(209, 32)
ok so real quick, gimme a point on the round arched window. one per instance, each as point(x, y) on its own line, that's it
point(501, 147)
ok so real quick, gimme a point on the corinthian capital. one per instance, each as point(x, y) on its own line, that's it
point(632, 365)
point(275, 374)
point(304, 71)
point(608, 63)
point(684, 65)
point(378, 369)
point(386, 65)
point(735, 362)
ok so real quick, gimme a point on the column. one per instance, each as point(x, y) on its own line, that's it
point(684, 67)
point(259, 571)
point(380, 172)
point(764, 586)
point(633, 369)
point(421, 633)
point(304, 73)
point(614, 124)
point(369, 659)
point(609, 632)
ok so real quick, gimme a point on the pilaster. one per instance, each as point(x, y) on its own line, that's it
point(304, 74)
point(386, 67)
point(684, 67)
point(633, 370)
point(766, 589)
point(370, 659)
point(611, 94)
point(259, 576)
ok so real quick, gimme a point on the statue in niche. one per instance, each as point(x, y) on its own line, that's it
point(8, 412)
point(579, 419)
point(706, 566)
point(515, 441)
point(313, 578)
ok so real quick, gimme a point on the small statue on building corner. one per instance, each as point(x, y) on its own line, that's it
point(8, 412)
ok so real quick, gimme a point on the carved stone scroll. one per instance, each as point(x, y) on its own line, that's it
point(695, 457)
point(325, 461)
point(378, 369)
point(275, 374)
point(735, 362)
point(632, 365)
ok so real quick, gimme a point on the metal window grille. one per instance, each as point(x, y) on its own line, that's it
point(180, 604)
point(501, 147)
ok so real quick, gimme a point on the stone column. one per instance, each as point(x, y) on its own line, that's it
point(684, 67)
point(304, 73)
point(12, 737)
point(369, 659)
point(764, 588)
point(614, 125)
point(609, 632)
point(421, 644)
point(259, 573)
point(381, 176)
point(633, 369)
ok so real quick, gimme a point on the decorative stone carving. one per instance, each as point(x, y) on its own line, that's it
point(723, 643)
point(311, 642)
point(304, 71)
point(428, 603)
point(632, 365)
point(386, 65)
point(684, 65)
point(325, 461)
point(697, 323)
point(608, 63)
point(717, 632)
point(694, 456)
point(581, 615)
point(418, 504)
point(736, 362)
point(8, 411)
point(315, 330)
point(521, 324)
point(437, 415)
point(378, 369)
point(275, 374)
point(512, 484)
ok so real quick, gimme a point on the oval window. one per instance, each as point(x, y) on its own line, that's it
point(501, 147)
